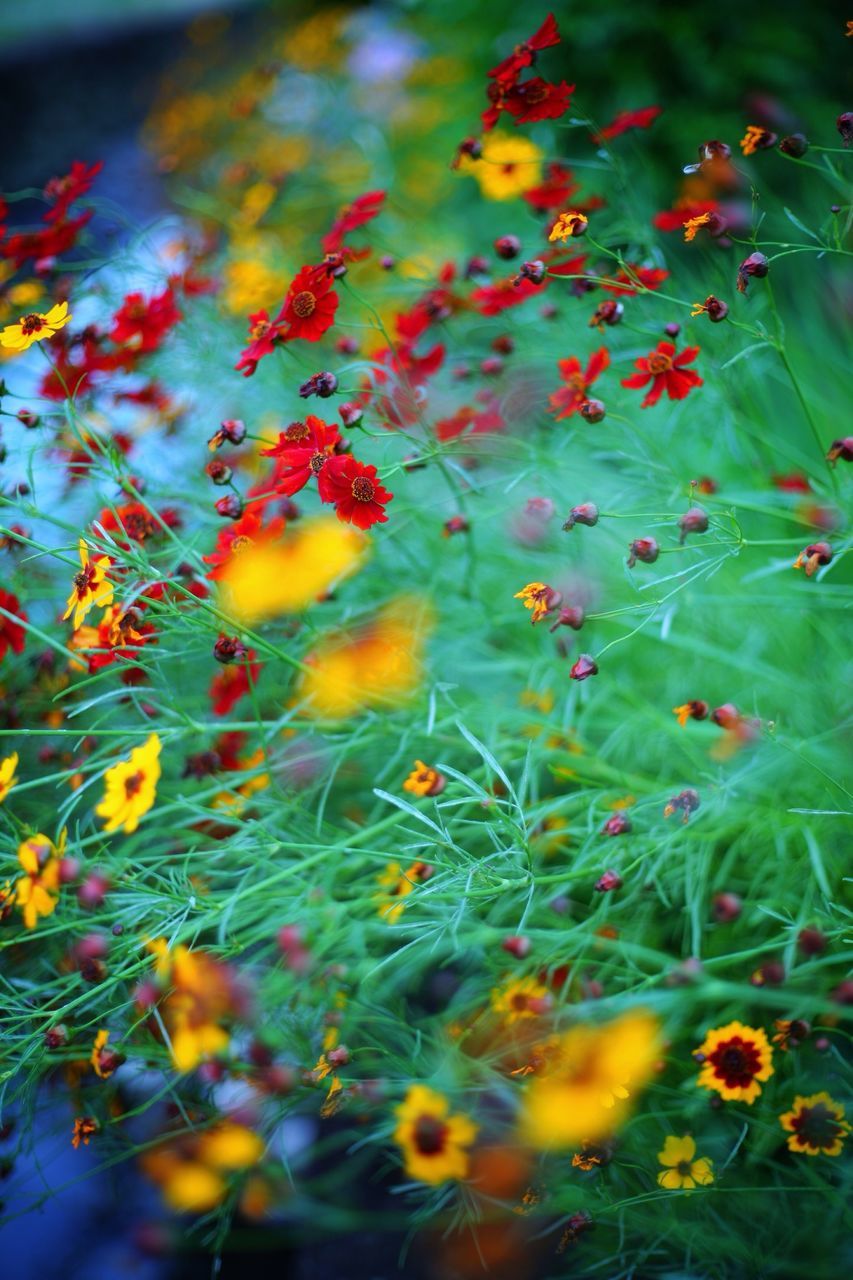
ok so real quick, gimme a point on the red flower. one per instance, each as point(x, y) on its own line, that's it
point(243, 533)
point(62, 192)
point(264, 334)
point(645, 278)
point(142, 325)
point(569, 398)
point(230, 684)
point(358, 496)
point(674, 219)
point(524, 55)
point(394, 387)
point(534, 99)
point(362, 210)
point(12, 634)
point(492, 299)
point(302, 451)
point(310, 306)
point(480, 422)
point(134, 521)
point(664, 369)
point(49, 242)
point(639, 119)
point(555, 192)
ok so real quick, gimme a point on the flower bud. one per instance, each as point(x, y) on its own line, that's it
point(456, 524)
point(592, 411)
point(323, 384)
point(618, 825)
point(811, 558)
point(585, 667)
point(532, 271)
point(234, 430)
point(693, 521)
point(645, 549)
point(504, 344)
point(507, 247)
point(27, 418)
point(796, 145)
point(477, 266)
point(726, 907)
point(585, 513)
point(69, 870)
point(229, 649)
point(716, 309)
point(811, 942)
point(609, 312)
point(491, 366)
point(844, 125)
point(93, 891)
point(56, 1037)
point(517, 946)
point(608, 882)
point(771, 974)
point(570, 616)
point(755, 265)
point(346, 345)
point(687, 801)
point(387, 263)
point(230, 507)
point(842, 448)
point(219, 472)
point(350, 414)
point(672, 330)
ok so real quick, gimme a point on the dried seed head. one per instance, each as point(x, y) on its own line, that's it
point(583, 668)
point(693, 521)
point(796, 145)
point(592, 411)
point(645, 549)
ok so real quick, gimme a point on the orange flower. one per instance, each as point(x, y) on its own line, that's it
point(424, 780)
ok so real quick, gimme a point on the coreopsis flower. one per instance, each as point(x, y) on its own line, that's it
point(569, 398)
point(756, 265)
point(84, 1128)
point(519, 999)
point(583, 668)
point(141, 324)
point(756, 139)
point(528, 101)
point(682, 1169)
point(192, 1170)
point(104, 1061)
point(696, 709)
point(62, 192)
point(8, 768)
point(355, 490)
point(301, 451)
point(201, 995)
point(434, 1142)
point(310, 306)
point(91, 586)
point(423, 780)
point(570, 223)
point(492, 299)
point(509, 166)
point(248, 531)
point(665, 370)
point(712, 307)
point(264, 334)
point(539, 598)
point(232, 683)
point(634, 279)
point(811, 558)
point(355, 214)
point(47, 242)
point(131, 787)
point(396, 884)
point(37, 892)
point(590, 1081)
point(34, 327)
point(640, 118)
point(736, 1060)
point(816, 1124)
point(555, 191)
point(693, 225)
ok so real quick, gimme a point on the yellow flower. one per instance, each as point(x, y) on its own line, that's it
point(250, 284)
point(539, 597)
point(691, 226)
point(520, 998)
point(816, 1125)
point(131, 786)
point(433, 1142)
point(230, 1146)
point(37, 892)
point(285, 576)
point(507, 167)
point(681, 1172)
point(34, 327)
point(570, 223)
point(7, 775)
point(735, 1059)
point(422, 781)
point(397, 884)
point(752, 139)
point(585, 1090)
point(90, 587)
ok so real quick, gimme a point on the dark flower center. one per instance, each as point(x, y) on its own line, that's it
point(31, 323)
point(363, 490)
point(684, 1168)
point(430, 1135)
point(297, 431)
point(133, 784)
point(736, 1062)
point(817, 1126)
point(659, 363)
point(317, 462)
point(260, 330)
point(304, 304)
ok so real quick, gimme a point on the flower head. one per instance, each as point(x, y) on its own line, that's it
point(91, 586)
point(508, 166)
point(520, 998)
point(539, 598)
point(576, 382)
point(569, 224)
point(736, 1060)
point(396, 884)
point(424, 780)
point(12, 634)
point(310, 306)
point(682, 1171)
point(692, 225)
point(301, 452)
point(131, 787)
point(816, 1125)
point(434, 1143)
point(355, 490)
point(7, 775)
point(37, 892)
point(665, 370)
point(35, 327)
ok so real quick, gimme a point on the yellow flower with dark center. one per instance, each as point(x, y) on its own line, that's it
point(682, 1172)
point(570, 223)
point(589, 1081)
point(753, 139)
point(434, 1143)
point(191, 1171)
point(520, 998)
point(131, 786)
point(90, 586)
point(816, 1124)
point(37, 892)
point(34, 327)
point(507, 167)
point(396, 884)
point(7, 775)
point(736, 1060)
point(692, 225)
point(201, 997)
point(424, 780)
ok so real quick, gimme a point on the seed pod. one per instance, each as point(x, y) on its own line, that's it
point(755, 265)
point(811, 942)
point(608, 882)
point(726, 907)
point(322, 384)
point(796, 145)
point(219, 472)
point(503, 344)
point(570, 616)
point(585, 667)
point(532, 271)
point(229, 649)
point(507, 247)
point(842, 448)
point(592, 411)
point(609, 312)
point(585, 513)
point(645, 549)
point(230, 507)
point(350, 414)
point(812, 557)
point(693, 521)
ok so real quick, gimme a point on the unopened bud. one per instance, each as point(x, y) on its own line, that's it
point(507, 247)
point(608, 882)
point(592, 411)
point(585, 667)
point(796, 145)
point(618, 825)
point(230, 507)
point(693, 521)
point(517, 946)
point(585, 513)
point(645, 549)
point(229, 649)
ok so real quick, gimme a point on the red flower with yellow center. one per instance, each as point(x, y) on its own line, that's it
point(310, 306)
point(301, 452)
point(816, 1125)
point(665, 370)
point(239, 536)
point(355, 490)
point(735, 1059)
point(569, 398)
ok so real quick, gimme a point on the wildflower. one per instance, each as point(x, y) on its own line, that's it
point(131, 787)
point(104, 1061)
point(641, 118)
point(84, 1128)
point(589, 1081)
point(755, 265)
point(585, 667)
point(34, 327)
point(91, 586)
point(37, 892)
point(232, 683)
point(756, 139)
point(396, 884)
point(811, 558)
point(539, 598)
point(736, 1060)
point(355, 214)
point(201, 994)
point(633, 279)
point(529, 101)
point(523, 55)
point(567, 225)
point(520, 998)
point(191, 1170)
point(693, 521)
point(693, 225)
point(141, 325)
point(790, 1033)
point(301, 451)
point(696, 709)
point(665, 370)
point(507, 167)
point(323, 384)
point(354, 488)
point(795, 144)
point(264, 334)
point(434, 1143)
point(592, 1155)
point(816, 1125)
point(645, 549)
point(570, 397)
point(310, 306)
point(7, 775)
point(585, 513)
point(712, 307)
point(841, 449)
point(607, 312)
point(682, 1171)
point(687, 801)
point(425, 781)
point(62, 192)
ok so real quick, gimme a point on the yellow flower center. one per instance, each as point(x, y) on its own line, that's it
point(659, 363)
